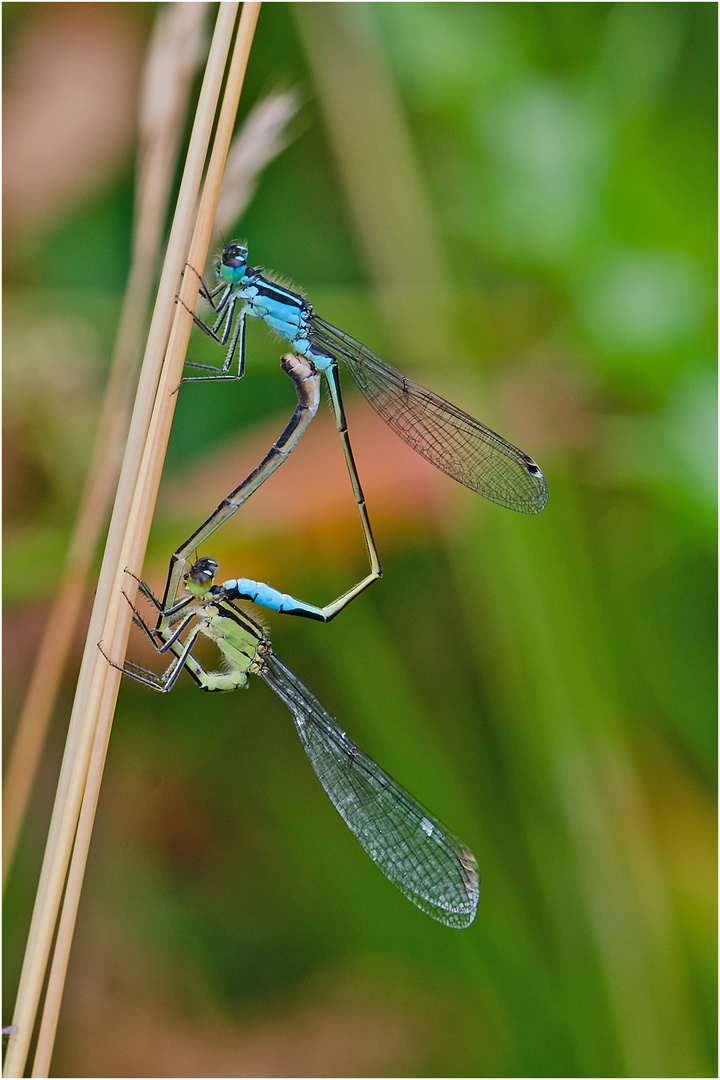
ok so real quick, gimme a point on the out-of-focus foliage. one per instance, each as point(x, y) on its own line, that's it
point(546, 685)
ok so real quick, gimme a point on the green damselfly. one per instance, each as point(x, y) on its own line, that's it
point(415, 851)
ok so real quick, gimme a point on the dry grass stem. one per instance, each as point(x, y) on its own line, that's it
point(133, 549)
point(98, 684)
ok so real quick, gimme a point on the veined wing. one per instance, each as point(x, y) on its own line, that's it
point(449, 438)
point(426, 862)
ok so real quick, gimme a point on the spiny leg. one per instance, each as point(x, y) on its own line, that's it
point(165, 682)
point(166, 640)
point(225, 287)
point(226, 309)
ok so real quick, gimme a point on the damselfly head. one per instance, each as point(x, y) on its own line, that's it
point(201, 576)
point(233, 262)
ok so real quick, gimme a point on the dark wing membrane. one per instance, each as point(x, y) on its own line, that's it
point(413, 849)
point(461, 446)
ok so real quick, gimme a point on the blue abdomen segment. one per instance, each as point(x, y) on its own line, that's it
point(266, 596)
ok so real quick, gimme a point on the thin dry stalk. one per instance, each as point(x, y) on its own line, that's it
point(175, 52)
point(98, 684)
point(119, 619)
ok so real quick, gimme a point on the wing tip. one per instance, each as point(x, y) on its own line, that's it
point(457, 914)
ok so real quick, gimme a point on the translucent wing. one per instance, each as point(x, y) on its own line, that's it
point(456, 443)
point(426, 862)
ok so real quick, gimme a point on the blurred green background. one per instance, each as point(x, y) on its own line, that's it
point(515, 204)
